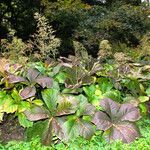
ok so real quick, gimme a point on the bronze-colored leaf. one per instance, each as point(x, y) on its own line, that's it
point(15, 79)
point(117, 118)
point(36, 113)
point(44, 81)
point(102, 121)
point(125, 131)
point(28, 92)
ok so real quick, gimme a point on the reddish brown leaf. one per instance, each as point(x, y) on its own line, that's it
point(44, 81)
point(102, 121)
point(15, 79)
point(28, 92)
point(127, 132)
point(129, 112)
point(36, 113)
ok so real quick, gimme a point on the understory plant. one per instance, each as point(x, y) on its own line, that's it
point(63, 117)
point(75, 97)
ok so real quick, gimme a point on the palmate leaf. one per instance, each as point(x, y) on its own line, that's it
point(32, 74)
point(76, 76)
point(32, 77)
point(117, 118)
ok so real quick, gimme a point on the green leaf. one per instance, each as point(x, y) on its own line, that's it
point(24, 105)
point(1, 116)
point(38, 129)
point(78, 127)
point(98, 92)
point(24, 121)
point(105, 85)
point(113, 94)
point(61, 77)
point(2, 94)
point(50, 97)
point(148, 91)
point(89, 90)
point(15, 95)
point(143, 99)
point(9, 106)
point(38, 102)
point(143, 108)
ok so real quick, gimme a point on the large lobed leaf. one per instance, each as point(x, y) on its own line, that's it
point(117, 118)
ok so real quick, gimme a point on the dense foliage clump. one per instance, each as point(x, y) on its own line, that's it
point(74, 74)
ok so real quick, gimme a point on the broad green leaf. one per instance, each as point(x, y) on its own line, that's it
point(113, 94)
point(50, 97)
point(11, 108)
point(15, 95)
point(38, 102)
point(56, 69)
point(78, 127)
point(2, 94)
point(143, 99)
point(38, 129)
point(89, 90)
point(9, 105)
point(105, 85)
point(24, 105)
point(71, 129)
point(24, 121)
point(84, 108)
point(143, 108)
point(61, 77)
